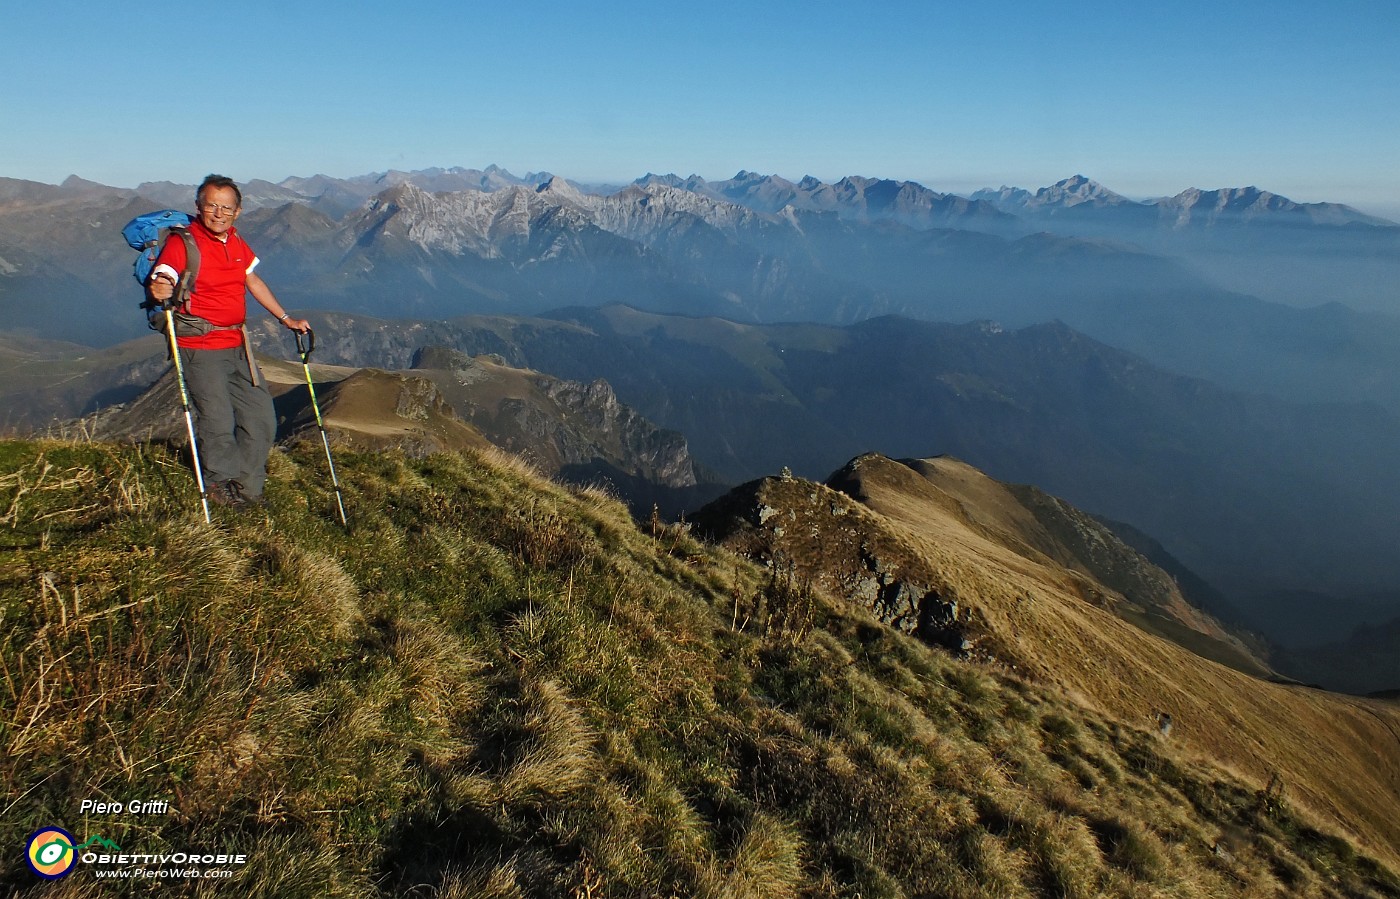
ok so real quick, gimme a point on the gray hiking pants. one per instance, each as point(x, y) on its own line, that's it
point(237, 424)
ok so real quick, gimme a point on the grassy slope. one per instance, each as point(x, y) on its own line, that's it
point(1336, 753)
point(1035, 524)
point(496, 687)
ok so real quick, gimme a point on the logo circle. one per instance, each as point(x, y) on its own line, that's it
point(50, 852)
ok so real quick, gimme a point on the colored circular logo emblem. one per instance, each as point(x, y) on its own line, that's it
point(50, 852)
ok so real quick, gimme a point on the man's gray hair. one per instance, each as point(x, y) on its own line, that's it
point(217, 181)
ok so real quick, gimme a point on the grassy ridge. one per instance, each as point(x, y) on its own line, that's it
point(494, 686)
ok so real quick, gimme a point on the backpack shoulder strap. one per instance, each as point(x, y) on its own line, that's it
point(186, 283)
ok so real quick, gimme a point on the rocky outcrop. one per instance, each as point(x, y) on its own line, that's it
point(827, 538)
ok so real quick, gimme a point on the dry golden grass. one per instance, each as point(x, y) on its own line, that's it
point(319, 586)
point(556, 755)
point(498, 882)
point(1336, 755)
point(767, 864)
point(495, 686)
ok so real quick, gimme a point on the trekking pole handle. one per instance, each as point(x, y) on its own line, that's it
point(305, 349)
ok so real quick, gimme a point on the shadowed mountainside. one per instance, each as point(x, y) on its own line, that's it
point(450, 401)
point(1256, 494)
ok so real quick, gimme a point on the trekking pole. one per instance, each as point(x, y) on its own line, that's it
point(185, 402)
point(304, 350)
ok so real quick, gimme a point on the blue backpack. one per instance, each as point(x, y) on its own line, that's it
point(148, 233)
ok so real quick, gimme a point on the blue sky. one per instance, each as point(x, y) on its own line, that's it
point(1296, 97)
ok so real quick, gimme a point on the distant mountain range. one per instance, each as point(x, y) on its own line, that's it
point(1268, 496)
point(758, 248)
point(1192, 208)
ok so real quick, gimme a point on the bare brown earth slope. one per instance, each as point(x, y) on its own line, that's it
point(373, 409)
point(1027, 600)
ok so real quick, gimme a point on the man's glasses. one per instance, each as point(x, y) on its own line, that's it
point(214, 208)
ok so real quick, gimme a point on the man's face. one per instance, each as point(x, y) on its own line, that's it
point(218, 208)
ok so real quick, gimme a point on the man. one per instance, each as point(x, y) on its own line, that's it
point(237, 423)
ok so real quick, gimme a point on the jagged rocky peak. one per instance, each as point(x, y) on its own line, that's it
point(456, 222)
point(559, 189)
point(1196, 207)
point(746, 181)
point(401, 199)
point(1248, 203)
point(631, 442)
point(1233, 197)
point(597, 395)
point(1005, 198)
point(857, 182)
point(559, 424)
point(693, 183)
point(400, 194)
point(75, 184)
point(669, 180)
point(1076, 190)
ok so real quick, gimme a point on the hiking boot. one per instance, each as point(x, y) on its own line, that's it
point(242, 499)
point(221, 493)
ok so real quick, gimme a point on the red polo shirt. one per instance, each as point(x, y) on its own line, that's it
point(220, 288)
